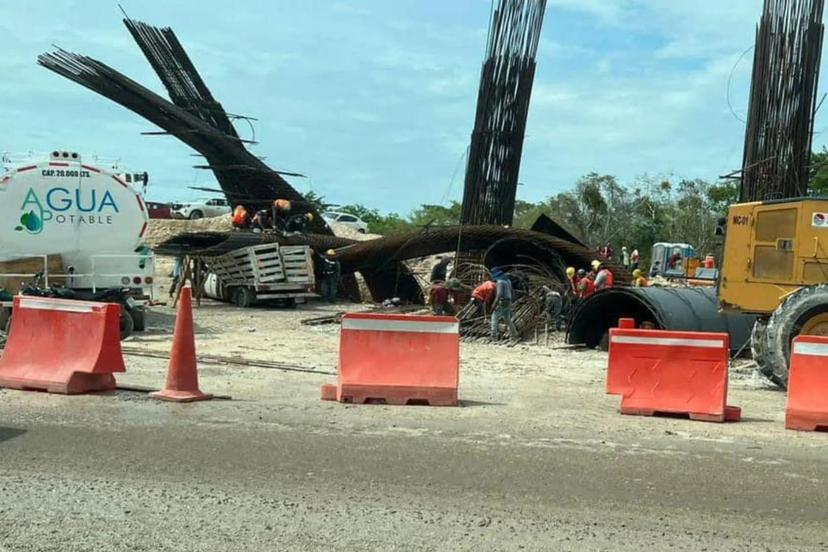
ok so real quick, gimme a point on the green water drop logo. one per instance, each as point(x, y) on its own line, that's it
point(30, 222)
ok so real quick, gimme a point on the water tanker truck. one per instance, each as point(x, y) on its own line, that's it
point(87, 216)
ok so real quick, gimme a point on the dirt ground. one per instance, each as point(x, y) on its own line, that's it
point(536, 458)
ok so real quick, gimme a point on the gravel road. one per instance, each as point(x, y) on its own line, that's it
point(537, 458)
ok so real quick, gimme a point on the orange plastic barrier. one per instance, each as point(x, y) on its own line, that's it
point(182, 372)
point(807, 408)
point(62, 346)
point(397, 359)
point(664, 372)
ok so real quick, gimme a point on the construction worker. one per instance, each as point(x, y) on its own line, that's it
point(483, 296)
point(573, 283)
point(586, 284)
point(331, 271)
point(444, 297)
point(502, 305)
point(261, 220)
point(281, 213)
point(625, 257)
point(604, 278)
point(439, 272)
point(240, 218)
point(709, 261)
point(635, 258)
point(298, 223)
point(638, 279)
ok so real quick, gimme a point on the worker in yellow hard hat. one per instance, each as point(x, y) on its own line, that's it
point(573, 284)
point(330, 271)
point(638, 279)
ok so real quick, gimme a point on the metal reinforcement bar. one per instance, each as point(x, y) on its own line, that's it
point(379, 260)
point(194, 117)
point(502, 108)
point(783, 95)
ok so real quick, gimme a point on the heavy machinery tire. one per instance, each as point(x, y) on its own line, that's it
point(243, 297)
point(196, 215)
point(127, 325)
point(758, 347)
point(139, 318)
point(804, 311)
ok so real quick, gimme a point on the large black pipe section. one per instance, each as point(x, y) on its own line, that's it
point(678, 309)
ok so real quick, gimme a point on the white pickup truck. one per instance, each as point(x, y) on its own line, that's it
point(88, 215)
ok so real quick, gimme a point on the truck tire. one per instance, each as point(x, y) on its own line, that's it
point(139, 318)
point(243, 297)
point(803, 312)
point(126, 323)
point(758, 347)
point(5, 318)
point(196, 215)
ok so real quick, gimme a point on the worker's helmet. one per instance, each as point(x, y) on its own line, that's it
point(637, 273)
point(596, 264)
point(330, 252)
point(453, 283)
point(309, 217)
point(496, 273)
point(581, 273)
point(282, 204)
point(239, 210)
point(570, 272)
point(623, 248)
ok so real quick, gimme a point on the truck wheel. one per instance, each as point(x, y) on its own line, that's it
point(139, 318)
point(803, 312)
point(196, 215)
point(243, 297)
point(758, 349)
point(127, 325)
point(5, 319)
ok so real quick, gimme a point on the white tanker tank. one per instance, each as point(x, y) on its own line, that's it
point(86, 214)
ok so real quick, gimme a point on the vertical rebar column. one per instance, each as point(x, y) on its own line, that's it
point(502, 107)
point(782, 100)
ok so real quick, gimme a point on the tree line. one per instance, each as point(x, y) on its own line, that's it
point(600, 210)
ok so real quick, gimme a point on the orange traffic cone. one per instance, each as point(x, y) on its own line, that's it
point(182, 374)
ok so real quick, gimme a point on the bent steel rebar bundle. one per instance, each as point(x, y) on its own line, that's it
point(783, 95)
point(502, 108)
point(194, 116)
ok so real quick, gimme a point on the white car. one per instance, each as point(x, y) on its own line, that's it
point(201, 208)
point(347, 219)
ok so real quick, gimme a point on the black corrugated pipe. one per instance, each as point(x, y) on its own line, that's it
point(680, 309)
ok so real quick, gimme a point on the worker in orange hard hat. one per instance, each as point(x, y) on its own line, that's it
point(331, 271)
point(240, 219)
point(280, 214)
point(282, 204)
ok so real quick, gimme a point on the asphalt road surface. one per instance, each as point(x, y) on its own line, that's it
point(537, 458)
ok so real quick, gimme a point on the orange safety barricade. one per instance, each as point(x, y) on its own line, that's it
point(397, 359)
point(62, 346)
point(807, 408)
point(664, 372)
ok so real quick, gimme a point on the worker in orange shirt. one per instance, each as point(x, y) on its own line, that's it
point(483, 296)
point(709, 261)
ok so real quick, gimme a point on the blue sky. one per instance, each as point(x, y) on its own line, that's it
point(374, 100)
